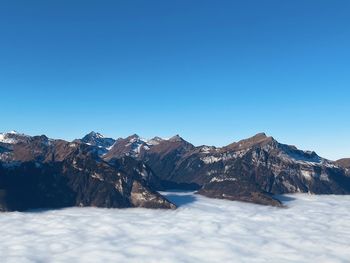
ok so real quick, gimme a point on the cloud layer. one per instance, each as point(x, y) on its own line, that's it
point(312, 229)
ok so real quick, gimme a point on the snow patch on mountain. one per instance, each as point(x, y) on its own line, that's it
point(211, 159)
point(308, 175)
point(222, 179)
point(4, 139)
point(12, 137)
point(137, 144)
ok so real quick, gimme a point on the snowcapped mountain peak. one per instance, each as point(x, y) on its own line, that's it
point(13, 132)
point(97, 139)
point(95, 134)
point(12, 137)
point(155, 141)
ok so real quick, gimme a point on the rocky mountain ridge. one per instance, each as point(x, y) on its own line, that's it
point(251, 170)
point(259, 163)
point(44, 173)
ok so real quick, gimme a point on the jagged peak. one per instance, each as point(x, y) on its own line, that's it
point(97, 139)
point(95, 134)
point(176, 138)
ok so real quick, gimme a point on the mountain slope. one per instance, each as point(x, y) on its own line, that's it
point(344, 163)
point(162, 155)
point(128, 172)
point(130, 146)
point(260, 165)
point(44, 173)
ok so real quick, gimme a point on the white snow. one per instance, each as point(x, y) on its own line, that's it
point(4, 139)
point(97, 176)
point(206, 149)
point(155, 141)
point(146, 147)
point(99, 136)
point(324, 177)
point(137, 150)
point(211, 159)
point(308, 175)
point(308, 161)
point(222, 179)
point(312, 229)
point(138, 143)
point(9, 137)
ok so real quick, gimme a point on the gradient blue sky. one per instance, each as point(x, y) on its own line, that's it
point(212, 71)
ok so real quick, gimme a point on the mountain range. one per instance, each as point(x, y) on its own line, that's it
point(39, 172)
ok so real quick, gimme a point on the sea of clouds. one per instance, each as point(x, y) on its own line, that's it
point(311, 229)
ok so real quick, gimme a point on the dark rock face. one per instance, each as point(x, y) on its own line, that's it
point(30, 186)
point(243, 191)
point(104, 185)
point(231, 172)
point(43, 173)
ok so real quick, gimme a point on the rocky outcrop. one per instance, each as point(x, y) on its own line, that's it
point(142, 196)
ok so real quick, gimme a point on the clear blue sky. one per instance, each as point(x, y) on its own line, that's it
point(212, 71)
